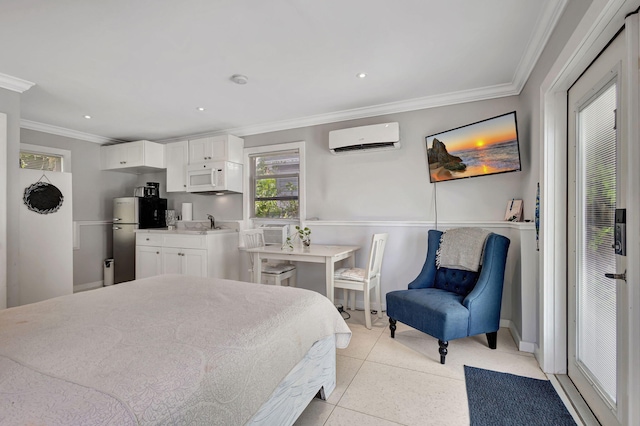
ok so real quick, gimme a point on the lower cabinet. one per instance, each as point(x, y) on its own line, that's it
point(148, 261)
point(213, 255)
point(184, 261)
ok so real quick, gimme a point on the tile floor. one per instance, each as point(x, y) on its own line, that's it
point(384, 381)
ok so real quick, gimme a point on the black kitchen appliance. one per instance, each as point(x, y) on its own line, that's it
point(129, 214)
point(152, 190)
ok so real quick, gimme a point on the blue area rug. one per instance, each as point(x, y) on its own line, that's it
point(505, 399)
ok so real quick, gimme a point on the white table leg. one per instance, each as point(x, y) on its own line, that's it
point(257, 268)
point(329, 277)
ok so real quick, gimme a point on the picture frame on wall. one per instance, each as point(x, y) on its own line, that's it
point(514, 211)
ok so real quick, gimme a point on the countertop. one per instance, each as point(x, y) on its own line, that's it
point(185, 231)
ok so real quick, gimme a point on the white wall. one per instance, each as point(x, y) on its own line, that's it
point(10, 105)
point(3, 211)
point(46, 243)
point(93, 192)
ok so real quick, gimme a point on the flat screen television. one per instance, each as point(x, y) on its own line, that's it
point(483, 148)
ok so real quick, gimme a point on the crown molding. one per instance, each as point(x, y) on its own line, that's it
point(14, 83)
point(543, 29)
point(61, 131)
point(453, 98)
point(483, 93)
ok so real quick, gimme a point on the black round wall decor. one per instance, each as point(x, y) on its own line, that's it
point(43, 198)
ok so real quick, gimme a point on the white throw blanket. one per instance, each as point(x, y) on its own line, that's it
point(163, 350)
point(462, 248)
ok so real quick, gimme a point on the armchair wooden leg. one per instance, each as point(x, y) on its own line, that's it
point(392, 327)
point(443, 350)
point(492, 339)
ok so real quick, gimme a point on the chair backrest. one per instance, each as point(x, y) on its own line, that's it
point(378, 243)
point(252, 238)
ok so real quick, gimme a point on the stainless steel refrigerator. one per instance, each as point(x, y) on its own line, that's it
point(129, 214)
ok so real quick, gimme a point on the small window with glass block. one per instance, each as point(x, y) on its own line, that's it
point(275, 184)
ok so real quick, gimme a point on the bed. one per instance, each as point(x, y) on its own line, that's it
point(169, 350)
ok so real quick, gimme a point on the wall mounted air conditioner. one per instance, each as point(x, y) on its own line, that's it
point(365, 138)
point(275, 234)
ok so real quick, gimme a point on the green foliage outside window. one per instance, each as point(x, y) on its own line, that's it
point(276, 196)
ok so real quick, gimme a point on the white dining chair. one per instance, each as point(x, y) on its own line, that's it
point(358, 279)
point(274, 273)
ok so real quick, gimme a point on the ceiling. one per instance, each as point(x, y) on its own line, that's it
point(141, 68)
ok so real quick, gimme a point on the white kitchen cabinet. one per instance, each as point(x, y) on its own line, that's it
point(216, 148)
point(184, 261)
point(148, 261)
point(132, 157)
point(214, 254)
point(177, 158)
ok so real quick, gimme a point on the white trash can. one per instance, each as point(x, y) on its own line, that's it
point(108, 272)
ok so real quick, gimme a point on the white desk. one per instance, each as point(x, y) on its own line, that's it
point(316, 253)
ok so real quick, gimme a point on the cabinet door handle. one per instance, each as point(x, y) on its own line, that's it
point(147, 239)
point(157, 252)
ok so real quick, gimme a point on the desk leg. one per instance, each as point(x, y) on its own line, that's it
point(351, 263)
point(257, 268)
point(329, 277)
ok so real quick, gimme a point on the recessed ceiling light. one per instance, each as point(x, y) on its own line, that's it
point(200, 108)
point(88, 117)
point(239, 79)
point(361, 75)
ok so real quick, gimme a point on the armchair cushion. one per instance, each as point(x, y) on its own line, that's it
point(434, 311)
point(456, 280)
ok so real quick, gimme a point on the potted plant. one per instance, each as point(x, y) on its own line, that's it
point(304, 234)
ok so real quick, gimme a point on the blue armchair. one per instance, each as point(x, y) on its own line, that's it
point(451, 303)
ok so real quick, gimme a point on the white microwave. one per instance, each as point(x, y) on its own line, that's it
point(214, 177)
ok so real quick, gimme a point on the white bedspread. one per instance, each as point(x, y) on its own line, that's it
point(163, 350)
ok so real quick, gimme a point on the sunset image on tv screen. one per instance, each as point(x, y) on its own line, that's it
point(483, 148)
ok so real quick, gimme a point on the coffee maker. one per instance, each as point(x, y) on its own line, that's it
point(152, 190)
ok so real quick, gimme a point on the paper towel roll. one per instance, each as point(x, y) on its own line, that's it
point(187, 211)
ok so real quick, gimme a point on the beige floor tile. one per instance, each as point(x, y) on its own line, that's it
point(406, 396)
point(343, 417)
point(316, 413)
point(362, 341)
point(346, 369)
point(420, 352)
point(357, 322)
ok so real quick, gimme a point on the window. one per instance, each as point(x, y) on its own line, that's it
point(44, 158)
point(276, 181)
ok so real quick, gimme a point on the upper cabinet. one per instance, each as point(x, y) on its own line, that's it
point(133, 157)
point(216, 148)
point(177, 154)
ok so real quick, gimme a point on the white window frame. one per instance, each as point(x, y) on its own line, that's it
point(45, 150)
point(248, 198)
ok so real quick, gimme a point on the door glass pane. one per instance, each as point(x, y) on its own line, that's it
point(596, 310)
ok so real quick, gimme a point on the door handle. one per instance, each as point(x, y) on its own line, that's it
point(622, 276)
point(115, 228)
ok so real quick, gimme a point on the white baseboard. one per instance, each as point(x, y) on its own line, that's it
point(522, 345)
point(87, 286)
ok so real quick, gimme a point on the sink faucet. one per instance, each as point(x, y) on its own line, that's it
point(212, 220)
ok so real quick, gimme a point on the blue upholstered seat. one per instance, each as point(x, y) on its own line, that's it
point(450, 303)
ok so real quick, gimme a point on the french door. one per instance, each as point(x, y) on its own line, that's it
point(596, 188)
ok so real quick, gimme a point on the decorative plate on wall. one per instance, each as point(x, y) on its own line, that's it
point(43, 198)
